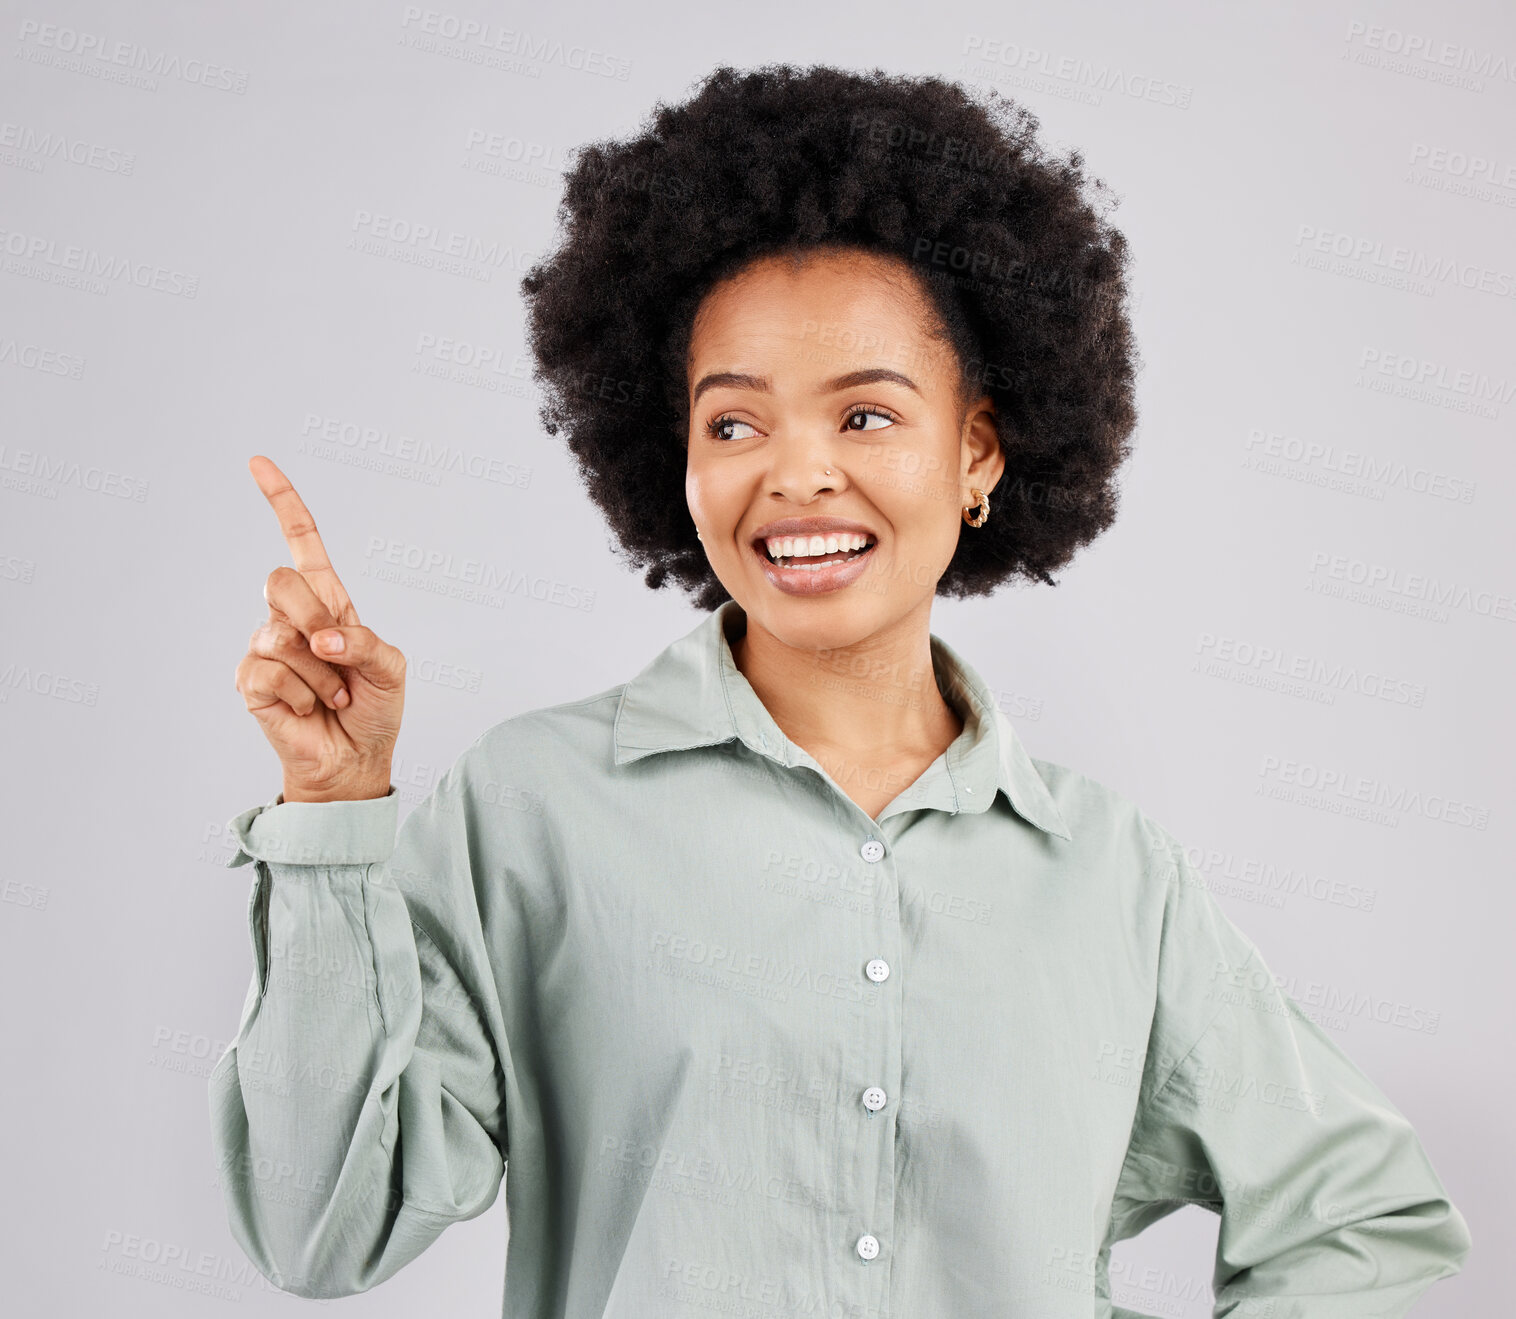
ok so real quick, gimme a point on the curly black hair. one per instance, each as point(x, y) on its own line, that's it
point(1025, 274)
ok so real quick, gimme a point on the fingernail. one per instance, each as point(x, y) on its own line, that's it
point(331, 642)
point(341, 698)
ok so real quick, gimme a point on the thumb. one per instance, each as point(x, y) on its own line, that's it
point(357, 647)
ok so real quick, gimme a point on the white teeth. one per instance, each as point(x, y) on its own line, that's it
point(784, 547)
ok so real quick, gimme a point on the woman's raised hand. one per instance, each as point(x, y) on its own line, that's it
point(331, 715)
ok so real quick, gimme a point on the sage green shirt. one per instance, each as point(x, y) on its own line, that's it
point(739, 1048)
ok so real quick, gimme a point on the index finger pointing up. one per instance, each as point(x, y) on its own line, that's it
point(300, 534)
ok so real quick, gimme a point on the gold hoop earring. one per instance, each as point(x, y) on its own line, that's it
point(980, 518)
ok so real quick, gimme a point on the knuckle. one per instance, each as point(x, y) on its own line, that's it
point(250, 673)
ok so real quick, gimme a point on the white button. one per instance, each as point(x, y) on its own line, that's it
point(878, 969)
point(873, 1098)
point(868, 1246)
point(872, 850)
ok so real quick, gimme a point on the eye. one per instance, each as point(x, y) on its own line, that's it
point(716, 427)
point(713, 428)
point(862, 411)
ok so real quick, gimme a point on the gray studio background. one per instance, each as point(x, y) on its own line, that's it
point(1311, 574)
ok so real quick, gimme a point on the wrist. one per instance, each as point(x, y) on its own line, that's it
point(364, 789)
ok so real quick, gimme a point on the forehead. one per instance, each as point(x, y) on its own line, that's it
point(826, 308)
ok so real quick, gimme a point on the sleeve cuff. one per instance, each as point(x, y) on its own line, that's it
point(306, 833)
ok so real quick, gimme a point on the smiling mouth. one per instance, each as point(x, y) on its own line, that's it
point(812, 562)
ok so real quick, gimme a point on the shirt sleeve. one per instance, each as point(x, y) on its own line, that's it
point(360, 1109)
point(1329, 1206)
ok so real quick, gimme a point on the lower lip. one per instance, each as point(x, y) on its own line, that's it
point(815, 581)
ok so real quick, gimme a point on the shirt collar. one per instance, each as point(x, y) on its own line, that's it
point(693, 694)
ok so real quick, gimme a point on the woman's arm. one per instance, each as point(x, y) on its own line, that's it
point(361, 1107)
point(1329, 1206)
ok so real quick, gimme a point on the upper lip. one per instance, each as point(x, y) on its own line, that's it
point(811, 526)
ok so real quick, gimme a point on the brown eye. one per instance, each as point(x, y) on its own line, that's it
point(714, 428)
point(868, 412)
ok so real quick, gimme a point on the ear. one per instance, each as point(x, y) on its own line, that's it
point(982, 459)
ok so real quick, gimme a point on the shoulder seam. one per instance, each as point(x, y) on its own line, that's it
point(609, 694)
point(590, 700)
point(1199, 1039)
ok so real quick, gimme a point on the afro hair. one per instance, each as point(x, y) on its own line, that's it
point(1026, 276)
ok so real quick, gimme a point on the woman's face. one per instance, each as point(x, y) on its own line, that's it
point(829, 364)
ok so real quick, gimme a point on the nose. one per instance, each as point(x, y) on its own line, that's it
point(802, 467)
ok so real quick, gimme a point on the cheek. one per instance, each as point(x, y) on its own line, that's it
point(715, 503)
point(698, 488)
point(926, 529)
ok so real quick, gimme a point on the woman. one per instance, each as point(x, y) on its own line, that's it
point(780, 976)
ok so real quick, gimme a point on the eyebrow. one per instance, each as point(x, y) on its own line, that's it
point(741, 380)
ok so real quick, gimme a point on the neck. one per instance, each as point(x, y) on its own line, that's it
point(870, 703)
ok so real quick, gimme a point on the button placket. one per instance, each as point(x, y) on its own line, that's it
point(882, 1057)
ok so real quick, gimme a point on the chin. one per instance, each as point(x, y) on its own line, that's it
point(819, 622)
